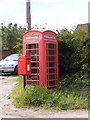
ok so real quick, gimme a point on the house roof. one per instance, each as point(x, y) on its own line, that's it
point(82, 26)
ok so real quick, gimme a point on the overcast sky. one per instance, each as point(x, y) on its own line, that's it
point(51, 14)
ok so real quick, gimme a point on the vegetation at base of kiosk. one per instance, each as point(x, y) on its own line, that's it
point(71, 95)
point(74, 69)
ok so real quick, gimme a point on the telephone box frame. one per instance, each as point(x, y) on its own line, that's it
point(44, 68)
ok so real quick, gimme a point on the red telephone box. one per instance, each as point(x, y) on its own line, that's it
point(43, 49)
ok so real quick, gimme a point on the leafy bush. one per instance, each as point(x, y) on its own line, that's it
point(78, 80)
point(73, 51)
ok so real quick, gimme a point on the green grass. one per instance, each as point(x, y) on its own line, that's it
point(72, 94)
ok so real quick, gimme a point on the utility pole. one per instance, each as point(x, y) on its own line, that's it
point(89, 19)
point(28, 15)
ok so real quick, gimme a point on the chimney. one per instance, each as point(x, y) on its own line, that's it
point(28, 15)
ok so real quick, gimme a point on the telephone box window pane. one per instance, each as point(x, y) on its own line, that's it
point(51, 70)
point(52, 64)
point(51, 58)
point(34, 71)
point(51, 77)
point(51, 83)
point(31, 46)
point(51, 46)
point(52, 52)
point(33, 52)
point(26, 46)
point(38, 77)
point(29, 77)
point(33, 64)
point(47, 83)
point(37, 45)
point(33, 58)
point(38, 71)
point(38, 64)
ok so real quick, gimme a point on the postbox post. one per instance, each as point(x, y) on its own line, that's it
point(24, 81)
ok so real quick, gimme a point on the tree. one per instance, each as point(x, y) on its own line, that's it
point(19, 45)
point(11, 36)
point(3, 36)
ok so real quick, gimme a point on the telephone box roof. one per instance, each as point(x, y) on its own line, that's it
point(39, 31)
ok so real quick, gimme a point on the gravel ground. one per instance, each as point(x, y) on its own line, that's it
point(7, 110)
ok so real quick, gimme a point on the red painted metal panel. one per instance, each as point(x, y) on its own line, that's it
point(43, 63)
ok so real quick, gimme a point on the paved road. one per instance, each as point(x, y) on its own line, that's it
point(7, 83)
point(7, 110)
